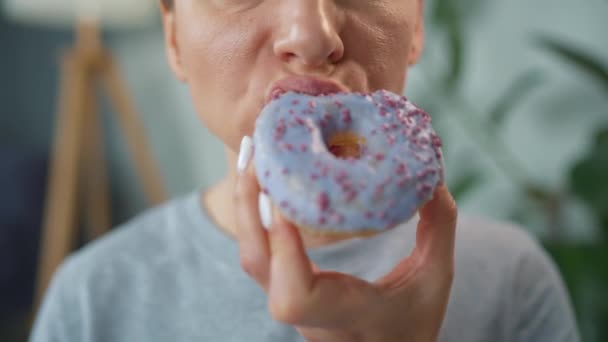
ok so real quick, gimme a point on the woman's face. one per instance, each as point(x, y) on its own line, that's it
point(232, 52)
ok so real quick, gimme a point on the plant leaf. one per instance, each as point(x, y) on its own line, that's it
point(521, 87)
point(457, 51)
point(465, 184)
point(447, 16)
point(588, 177)
point(583, 60)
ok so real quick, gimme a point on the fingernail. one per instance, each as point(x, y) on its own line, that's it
point(265, 208)
point(244, 154)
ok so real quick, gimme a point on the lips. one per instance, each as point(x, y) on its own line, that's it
point(304, 85)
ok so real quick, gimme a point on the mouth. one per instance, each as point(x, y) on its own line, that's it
point(303, 85)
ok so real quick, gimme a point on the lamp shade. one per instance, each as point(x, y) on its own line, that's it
point(109, 13)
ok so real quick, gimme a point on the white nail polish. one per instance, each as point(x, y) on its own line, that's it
point(265, 208)
point(244, 154)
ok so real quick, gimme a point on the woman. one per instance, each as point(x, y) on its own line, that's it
point(176, 272)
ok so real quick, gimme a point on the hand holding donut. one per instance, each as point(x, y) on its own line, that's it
point(408, 304)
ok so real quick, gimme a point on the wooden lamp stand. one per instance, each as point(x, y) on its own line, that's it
point(78, 181)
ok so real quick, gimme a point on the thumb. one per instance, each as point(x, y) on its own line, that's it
point(436, 231)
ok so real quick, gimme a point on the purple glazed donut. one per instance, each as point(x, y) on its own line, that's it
point(398, 168)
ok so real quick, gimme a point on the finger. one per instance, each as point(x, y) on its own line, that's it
point(291, 269)
point(436, 231)
point(435, 238)
point(302, 295)
point(252, 237)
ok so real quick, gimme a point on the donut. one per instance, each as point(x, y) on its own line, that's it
point(346, 163)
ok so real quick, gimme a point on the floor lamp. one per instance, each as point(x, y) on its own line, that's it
point(78, 189)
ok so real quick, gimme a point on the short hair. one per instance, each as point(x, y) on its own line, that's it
point(167, 3)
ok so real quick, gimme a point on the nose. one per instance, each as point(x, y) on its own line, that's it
point(309, 33)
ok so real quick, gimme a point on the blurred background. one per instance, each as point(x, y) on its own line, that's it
point(517, 89)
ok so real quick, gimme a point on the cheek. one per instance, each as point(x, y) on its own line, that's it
point(212, 55)
point(381, 45)
point(217, 59)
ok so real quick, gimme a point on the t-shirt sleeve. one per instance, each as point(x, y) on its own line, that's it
point(57, 318)
point(542, 308)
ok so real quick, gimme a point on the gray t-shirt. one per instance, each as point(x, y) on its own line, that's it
point(172, 275)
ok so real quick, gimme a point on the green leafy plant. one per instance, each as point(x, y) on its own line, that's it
point(584, 266)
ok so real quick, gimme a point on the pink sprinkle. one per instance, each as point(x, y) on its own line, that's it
point(314, 176)
point(342, 176)
point(303, 148)
point(323, 201)
point(373, 132)
point(312, 104)
point(338, 103)
point(421, 175)
point(401, 169)
point(285, 171)
point(436, 141)
point(267, 173)
point(403, 182)
point(346, 117)
point(300, 121)
point(284, 204)
point(423, 190)
point(369, 215)
point(291, 111)
point(295, 102)
point(379, 157)
point(288, 146)
point(322, 220)
point(346, 186)
point(265, 190)
point(379, 190)
point(351, 195)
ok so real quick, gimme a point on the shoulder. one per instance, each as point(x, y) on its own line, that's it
point(497, 240)
point(502, 254)
point(149, 240)
point(504, 266)
point(108, 275)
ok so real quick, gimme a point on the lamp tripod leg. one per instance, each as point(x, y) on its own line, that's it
point(94, 169)
point(59, 225)
point(134, 133)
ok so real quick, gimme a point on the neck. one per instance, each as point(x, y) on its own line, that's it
point(218, 202)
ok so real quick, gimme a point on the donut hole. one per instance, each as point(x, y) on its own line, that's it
point(346, 145)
